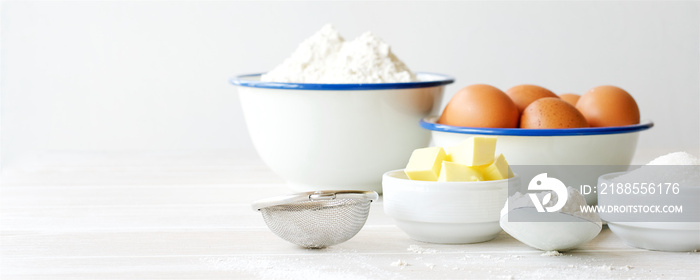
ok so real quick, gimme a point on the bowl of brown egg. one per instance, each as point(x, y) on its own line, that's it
point(535, 127)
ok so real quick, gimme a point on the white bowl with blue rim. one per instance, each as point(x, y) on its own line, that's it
point(602, 149)
point(338, 136)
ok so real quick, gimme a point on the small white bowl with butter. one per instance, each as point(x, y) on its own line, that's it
point(445, 212)
point(452, 194)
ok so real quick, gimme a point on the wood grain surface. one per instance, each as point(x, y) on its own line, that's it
point(195, 222)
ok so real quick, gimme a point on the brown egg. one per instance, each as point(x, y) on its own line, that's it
point(523, 95)
point(480, 106)
point(551, 112)
point(571, 98)
point(608, 106)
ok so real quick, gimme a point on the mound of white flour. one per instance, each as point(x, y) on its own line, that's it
point(685, 170)
point(677, 158)
point(327, 58)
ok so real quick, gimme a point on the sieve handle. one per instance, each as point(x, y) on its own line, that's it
point(314, 196)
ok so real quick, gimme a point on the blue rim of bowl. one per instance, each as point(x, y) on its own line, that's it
point(251, 80)
point(430, 123)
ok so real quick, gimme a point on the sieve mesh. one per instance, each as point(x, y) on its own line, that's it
point(317, 224)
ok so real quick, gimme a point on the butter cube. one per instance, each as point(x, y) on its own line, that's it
point(455, 172)
point(498, 170)
point(425, 163)
point(474, 151)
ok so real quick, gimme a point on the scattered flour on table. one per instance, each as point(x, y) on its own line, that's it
point(327, 58)
point(420, 250)
point(566, 266)
point(552, 254)
point(604, 267)
point(490, 259)
point(400, 263)
point(625, 267)
point(302, 267)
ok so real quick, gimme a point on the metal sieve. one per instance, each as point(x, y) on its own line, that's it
point(316, 219)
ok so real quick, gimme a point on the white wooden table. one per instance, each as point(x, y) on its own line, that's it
point(194, 221)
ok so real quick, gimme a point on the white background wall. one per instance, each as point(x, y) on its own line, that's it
point(153, 76)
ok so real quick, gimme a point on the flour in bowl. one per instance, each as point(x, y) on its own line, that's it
point(684, 170)
point(677, 158)
point(326, 58)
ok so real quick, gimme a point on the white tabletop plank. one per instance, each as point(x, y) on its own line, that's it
point(154, 225)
